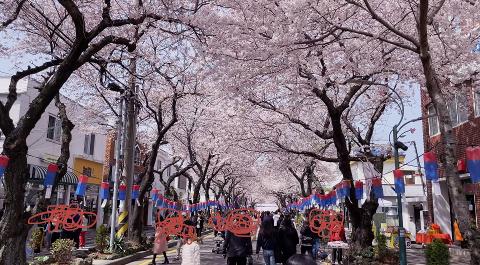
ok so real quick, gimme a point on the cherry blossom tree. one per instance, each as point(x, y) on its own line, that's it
point(64, 37)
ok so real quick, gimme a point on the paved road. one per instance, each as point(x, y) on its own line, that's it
point(414, 256)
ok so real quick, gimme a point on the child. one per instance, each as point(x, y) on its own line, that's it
point(190, 253)
point(160, 245)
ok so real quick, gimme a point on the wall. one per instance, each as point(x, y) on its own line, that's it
point(97, 169)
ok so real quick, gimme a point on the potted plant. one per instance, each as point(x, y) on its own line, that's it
point(37, 239)
point(62, 250)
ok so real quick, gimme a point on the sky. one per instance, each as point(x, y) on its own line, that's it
point(392, 117)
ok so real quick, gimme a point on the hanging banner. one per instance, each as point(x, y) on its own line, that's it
point(399, 181)
point(49, 180)
point(431, 166)
point(3, 165)
point(473, 163)
point(154, 195)
point(81, 186)
point(377, 188)
point(358, 190)
point(104, 193)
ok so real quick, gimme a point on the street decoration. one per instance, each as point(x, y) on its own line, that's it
point(104, 193)
point(63, 217)
point(358, 190)
point(473, 163)
point(3, 164)
point(122, 195)
point(49, 180)
point(135, 192)
point(377, 188)
point(399, 181)
point(431, 166)
point(81, 186)
point(154, 195)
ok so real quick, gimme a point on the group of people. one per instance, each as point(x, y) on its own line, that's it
point(78, 235)
point(279, 238)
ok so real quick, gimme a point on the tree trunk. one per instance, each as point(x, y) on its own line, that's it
point(448, 140)
point(13, 226)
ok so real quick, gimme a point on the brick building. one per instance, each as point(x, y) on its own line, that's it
point(464, 108)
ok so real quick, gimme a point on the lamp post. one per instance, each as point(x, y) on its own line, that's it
point(401, 230)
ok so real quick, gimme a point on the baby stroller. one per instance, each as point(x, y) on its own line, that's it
point(218, 247)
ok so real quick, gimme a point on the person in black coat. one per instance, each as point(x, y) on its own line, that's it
point(307, 237)
point(267, 240)
point(288, 239)
point(237, 249)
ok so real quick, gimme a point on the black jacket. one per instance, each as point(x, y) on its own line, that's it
point(288, 240)
point(266, 243)
point(307, 236)
point(235, 246)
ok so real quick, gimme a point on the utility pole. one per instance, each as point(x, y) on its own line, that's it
point(401, 230)
point(118, 165)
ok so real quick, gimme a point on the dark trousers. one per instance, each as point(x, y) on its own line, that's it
point(337, 254)
point(306, 249)
point(237, 261)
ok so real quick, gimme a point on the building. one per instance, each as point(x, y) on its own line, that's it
point(464, 108)
point(86, 149)
point(413, 202)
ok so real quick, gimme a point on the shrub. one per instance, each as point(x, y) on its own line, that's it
point(437, 253)
point(101, 238)
point(62, 250)
point(381, 247)
point(37, 238)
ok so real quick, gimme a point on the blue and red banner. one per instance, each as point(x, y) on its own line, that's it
point(135, 192)
point(473, 163)
point(122, 192)
point(3, 164)
point(154, 195)
point(399, 181)
point(104, 190)
point(82, 185)
point(358, 190)
point(52, 170)
point(377, 188)
point(431, 166)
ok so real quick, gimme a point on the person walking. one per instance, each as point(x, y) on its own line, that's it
point(306, 239)
point(190, 252)
point(236, 249)
point(83, 233)
point(267, 241)
point(337, 252)
point(187, 222)
point(199, 227)
point(288, 239)
point(160, 245)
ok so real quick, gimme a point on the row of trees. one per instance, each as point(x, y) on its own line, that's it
point(251, 95)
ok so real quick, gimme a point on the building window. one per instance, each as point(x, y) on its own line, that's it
point(457, 107)
point(432, 120)
point(87, 171)
point(54, 129)
point(159, 165)
point(476, 101)
point(182, 182)
point(89, 144)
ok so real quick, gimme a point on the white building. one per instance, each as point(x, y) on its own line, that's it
point(87, 150)
point(414, 201)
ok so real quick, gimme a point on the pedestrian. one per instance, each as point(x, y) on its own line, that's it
point(236, 249)
point(160, 245)
point(299, 259)
point(306, 239)
point(267, 241)
point(83, 233)
point(288, 239)
point(199, 227)
point(187, 222)
point(337, 252)
point(276, 217)
point(190, 252)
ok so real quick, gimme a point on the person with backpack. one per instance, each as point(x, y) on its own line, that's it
point(337, 252)
point(267, 241)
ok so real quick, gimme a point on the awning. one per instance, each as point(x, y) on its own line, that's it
point(38, 173)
